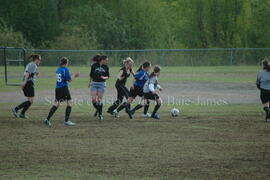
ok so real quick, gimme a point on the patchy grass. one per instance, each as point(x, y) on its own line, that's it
point(204, 142)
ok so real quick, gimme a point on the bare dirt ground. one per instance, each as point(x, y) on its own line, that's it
point(179, 93)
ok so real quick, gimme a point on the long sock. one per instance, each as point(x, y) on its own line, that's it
point(100, 107)
point(52, 111)
point(156, 108)
point(128, 106)
point(26, 107)
point(115, 105)
point(266, 109)
point(22, 105)
point(68, 111)
point(121, 107)
point(139, 106)
point(95, 105)
point(146, 107)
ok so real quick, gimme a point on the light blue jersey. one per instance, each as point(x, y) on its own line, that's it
point(62, 77)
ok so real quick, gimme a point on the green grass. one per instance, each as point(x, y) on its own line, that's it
point(216, 142)
point(219, 74)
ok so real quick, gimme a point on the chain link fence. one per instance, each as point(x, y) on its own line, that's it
point(177, 57)
point(171, 57)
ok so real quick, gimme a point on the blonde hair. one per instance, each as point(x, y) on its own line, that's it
point(128, 60)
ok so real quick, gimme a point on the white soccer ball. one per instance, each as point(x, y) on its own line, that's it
point(175, 112)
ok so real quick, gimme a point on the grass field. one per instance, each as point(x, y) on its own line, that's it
point(204, 142)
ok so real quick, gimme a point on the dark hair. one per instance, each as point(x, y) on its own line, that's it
point(34, 57)
point(144, 65)
point(266, 64)
point(63, 61)
point(96, 58)
point(156, 70)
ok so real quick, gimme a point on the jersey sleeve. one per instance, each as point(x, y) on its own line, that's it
point(31, 68)
point(67, 75)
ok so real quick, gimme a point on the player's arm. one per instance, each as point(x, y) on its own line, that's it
point(71, 77)
point(258, 82)
point(106, 76)
point(26, 76)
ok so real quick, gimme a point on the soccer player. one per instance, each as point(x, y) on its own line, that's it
point(263, 83)
point(28, 86)
point(137, 87)
point(150, 90)
point(122, 91)
point(98, 76)
point(62, 93)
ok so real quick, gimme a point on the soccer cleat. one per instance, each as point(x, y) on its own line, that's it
point(147, 115)
point(47, 122)
point(155, 116)
point(23, 116)
point(69, 123)
point(14, 112)
point(115, 113)
point(100, 117)
point(110, 112)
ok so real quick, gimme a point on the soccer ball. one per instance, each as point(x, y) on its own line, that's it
point(175, 112)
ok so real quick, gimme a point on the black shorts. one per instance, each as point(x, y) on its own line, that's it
point(29, 90)
point(62, 94)
point(150, 96)
point(265, 96)
point(137, 91)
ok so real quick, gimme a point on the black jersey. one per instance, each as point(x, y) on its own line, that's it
point(97, 71)
point(125, 75)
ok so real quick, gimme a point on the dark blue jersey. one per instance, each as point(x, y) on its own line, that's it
point(62, 77)
point(140, 78)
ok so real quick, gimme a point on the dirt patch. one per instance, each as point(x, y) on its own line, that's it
point(184, 92)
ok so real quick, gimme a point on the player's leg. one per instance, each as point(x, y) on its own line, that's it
point(117, 102)
point(265, 102)
point(100, 104)
point(156, 108)
point(94, 97)
point(139, 92)
point(127, 95)
point(51, 112)
point(67, 113)
point(146, 107)
point(29, 92)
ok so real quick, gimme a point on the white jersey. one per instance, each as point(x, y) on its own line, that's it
point(151, 85)
point(31, 68)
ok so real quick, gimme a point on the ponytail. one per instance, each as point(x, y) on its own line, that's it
point(266, 65)
point(156, 70)
point(146, 64)
point(34, 57)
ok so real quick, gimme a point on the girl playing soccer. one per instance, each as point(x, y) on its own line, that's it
point(137, 88)
point(98, 75)
point(28, 86)
point(150, 90)
point(62, 92)
point(122, 91)
point(263, 83)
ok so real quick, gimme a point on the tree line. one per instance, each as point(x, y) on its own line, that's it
point(140, 24)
